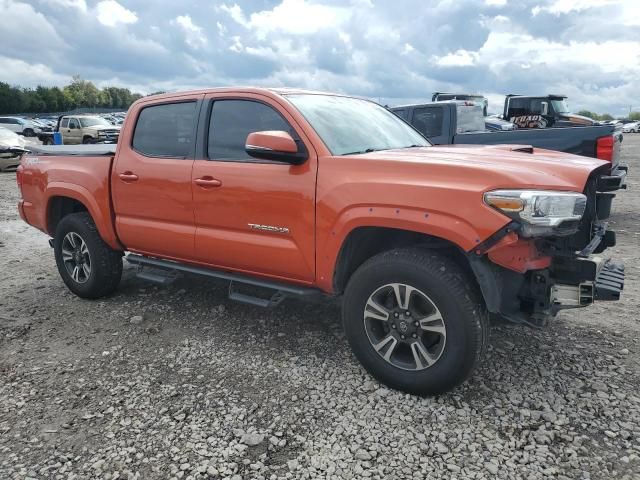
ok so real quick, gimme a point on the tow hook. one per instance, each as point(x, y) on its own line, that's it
point(51, 242)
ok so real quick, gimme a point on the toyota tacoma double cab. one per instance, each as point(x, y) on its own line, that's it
point(287, 192)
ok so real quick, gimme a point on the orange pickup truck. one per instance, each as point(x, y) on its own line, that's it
point(287, 192)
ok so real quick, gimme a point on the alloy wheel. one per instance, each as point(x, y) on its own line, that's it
point(76, 258)
point(404, 326)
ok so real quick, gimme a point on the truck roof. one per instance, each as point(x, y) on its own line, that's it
point(537, 96)
point(279, 91)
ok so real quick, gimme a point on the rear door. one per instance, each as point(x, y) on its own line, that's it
point(255, 216)
point(151, 178)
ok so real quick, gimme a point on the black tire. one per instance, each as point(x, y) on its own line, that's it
point(28, 132)
point(452, 293)
point(105, 263)
point(87, 140)
point(47, 141)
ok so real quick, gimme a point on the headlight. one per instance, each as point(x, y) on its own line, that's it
point(541, 212)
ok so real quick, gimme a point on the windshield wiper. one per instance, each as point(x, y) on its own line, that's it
point(368, 150)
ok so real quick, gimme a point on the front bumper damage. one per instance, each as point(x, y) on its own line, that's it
point(531, 280)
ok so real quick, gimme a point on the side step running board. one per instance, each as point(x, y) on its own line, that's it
point(278, 291)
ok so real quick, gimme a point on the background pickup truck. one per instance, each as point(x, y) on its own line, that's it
point(455, 122)
point(285, 192)
point(82, 129)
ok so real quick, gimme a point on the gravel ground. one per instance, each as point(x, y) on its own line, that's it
point(179, 382)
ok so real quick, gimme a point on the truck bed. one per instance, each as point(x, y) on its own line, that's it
point(576, 140)
point(91, 150)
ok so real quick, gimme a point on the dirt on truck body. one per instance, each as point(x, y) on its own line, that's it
point(297, 193)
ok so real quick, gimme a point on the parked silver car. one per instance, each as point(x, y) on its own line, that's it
point(11, 145)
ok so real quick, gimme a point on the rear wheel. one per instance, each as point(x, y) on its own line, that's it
point(87, 265)
point(28, 132)
point(415, 321)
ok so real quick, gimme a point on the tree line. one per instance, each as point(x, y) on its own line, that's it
point(78, 94)
point(606, 116)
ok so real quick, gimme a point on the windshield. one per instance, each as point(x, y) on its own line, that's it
point(350, 125)
point(93, 121)
point(559, 106)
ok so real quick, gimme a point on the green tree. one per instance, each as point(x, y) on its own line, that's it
point(634, 116)
point(587, 113)
point(79, 93)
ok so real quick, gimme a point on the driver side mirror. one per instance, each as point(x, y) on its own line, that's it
point(275, 145)
point(544, 109)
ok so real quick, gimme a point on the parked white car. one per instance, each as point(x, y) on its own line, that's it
point(10, 146)
point(20, 126)
point(631, 127)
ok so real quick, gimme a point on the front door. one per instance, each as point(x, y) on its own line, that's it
point(72, 134)
point(256, 216)
point(151, 180)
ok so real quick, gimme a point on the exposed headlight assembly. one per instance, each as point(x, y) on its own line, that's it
point(541, 212)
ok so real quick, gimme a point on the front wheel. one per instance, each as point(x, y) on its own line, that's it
point(415, 321)
point(28, 132)
point(87, 265)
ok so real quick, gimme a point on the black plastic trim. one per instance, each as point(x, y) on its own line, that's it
point(209, 272)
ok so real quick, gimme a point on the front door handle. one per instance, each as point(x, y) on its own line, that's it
point(128, 177)
point(208, 182)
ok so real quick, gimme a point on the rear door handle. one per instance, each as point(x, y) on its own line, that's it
point(128, 177)
point(208, 182)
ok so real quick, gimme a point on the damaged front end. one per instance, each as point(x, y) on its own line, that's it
point(535, 267)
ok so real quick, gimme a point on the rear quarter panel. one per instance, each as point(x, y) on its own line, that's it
point(85, 179)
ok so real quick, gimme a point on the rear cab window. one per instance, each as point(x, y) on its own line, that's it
point(428, 120)
point(165, 130)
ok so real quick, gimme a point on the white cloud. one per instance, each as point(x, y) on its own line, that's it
point(111, 14)
point(459, 58)
point(407, 49)
point(558, 7)
point(19, 72)
point(495, 3)
point(506, 48)
point(297, 17)
point(78, 4)
point(19, 22)
point(194, 35)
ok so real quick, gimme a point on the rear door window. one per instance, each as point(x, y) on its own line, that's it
point(428, 120)
point(73, 123)
point(233, 120)
point(165, 130)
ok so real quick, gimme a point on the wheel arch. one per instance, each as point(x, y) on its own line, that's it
point(364, 242)
point(63, 199)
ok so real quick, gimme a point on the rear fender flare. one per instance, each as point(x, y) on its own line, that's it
point(100, 215)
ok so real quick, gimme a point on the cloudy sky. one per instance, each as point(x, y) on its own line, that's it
point(395, 51)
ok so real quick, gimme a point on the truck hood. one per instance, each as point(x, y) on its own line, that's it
point(99, 128)
point(497, 166)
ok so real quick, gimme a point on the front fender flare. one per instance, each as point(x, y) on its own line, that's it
point(435, 224)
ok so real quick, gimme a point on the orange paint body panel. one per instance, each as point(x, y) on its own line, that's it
point(518, 254)
point(214, 213)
